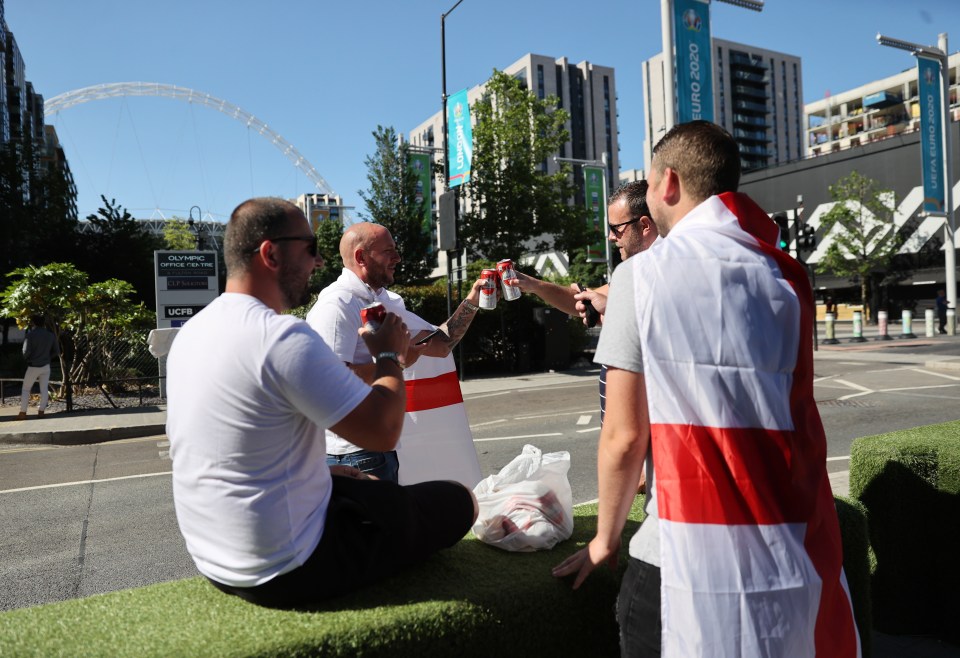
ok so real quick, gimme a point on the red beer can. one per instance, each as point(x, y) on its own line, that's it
point(508, 279)
point(488, 289)
point(372, 316)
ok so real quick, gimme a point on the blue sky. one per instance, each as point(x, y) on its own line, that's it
point(325, 74)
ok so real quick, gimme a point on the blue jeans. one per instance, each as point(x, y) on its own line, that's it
point(384, 465)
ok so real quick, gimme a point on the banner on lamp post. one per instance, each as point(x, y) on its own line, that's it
point(459, 139)
point(420, 163)
point(691, 20)
point(931, 133)
point(594, 187)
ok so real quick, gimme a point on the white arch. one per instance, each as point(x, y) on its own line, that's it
point(116, 89)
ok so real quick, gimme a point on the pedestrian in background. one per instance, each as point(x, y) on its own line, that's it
point(39, 349)
point(942, 310)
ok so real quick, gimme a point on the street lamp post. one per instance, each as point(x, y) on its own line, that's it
point(446, 153)
point(939, 54)
point(196, 226)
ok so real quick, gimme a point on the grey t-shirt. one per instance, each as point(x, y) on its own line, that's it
point(619, 347)
point(40, 347)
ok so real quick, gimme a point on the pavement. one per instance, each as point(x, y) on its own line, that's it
point(97, 426)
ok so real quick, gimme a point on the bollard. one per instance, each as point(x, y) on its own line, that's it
point(831, 319)
point(951, 322)
point(928, 316)
point(857, 327)
point(882, 328)
point(906, 319)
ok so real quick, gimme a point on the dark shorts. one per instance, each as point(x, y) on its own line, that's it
point(638, 610)
point(373, 530)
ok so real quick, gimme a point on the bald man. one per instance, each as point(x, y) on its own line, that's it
point(370, 257)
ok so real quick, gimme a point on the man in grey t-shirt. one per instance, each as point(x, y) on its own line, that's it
point(39, 348)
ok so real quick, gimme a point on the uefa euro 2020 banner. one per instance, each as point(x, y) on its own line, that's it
point(593, 188)
point(691, 20)
point(459, 139)
point(931, 133)
point(421, 166)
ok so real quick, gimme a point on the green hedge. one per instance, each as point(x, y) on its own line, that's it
point(856, 565)
point(472, 600)
point(909, 482)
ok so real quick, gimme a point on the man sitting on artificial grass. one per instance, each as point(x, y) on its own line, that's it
point(251, 393)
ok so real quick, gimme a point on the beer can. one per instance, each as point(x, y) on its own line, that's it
point(372, 315)
point(488, 289)
point(508, 279)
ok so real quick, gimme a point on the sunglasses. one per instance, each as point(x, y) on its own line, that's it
point(618, 229)
point(311, 240)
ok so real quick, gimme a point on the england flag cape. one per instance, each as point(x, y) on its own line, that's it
point(751, 560)
point(436, 442)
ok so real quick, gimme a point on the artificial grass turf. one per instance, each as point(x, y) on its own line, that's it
point(909, 482)
point(471, 600)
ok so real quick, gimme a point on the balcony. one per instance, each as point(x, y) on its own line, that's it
point(747, 120)
point(754, 135)
point(749, 76)
point(750, 107)
point(753, 92)
point(742, 59)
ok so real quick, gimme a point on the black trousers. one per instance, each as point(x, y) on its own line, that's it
point(638, 610)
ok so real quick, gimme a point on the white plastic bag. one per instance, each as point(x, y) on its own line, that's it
point(528, 505)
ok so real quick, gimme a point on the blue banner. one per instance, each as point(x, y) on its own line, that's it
point(931, 133)
point(459, 139)
point(691, 21)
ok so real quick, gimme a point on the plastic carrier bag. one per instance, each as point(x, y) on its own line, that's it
point(528, 505)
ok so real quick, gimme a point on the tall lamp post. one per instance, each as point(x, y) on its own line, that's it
point(939, 54)
point(666, 30)
point(196, 226)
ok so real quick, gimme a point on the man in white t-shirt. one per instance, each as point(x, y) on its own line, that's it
point(370, 256)
point(250, 393)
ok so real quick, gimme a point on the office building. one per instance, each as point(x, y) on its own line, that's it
point(320, 207)
point(871, 112)
point(758, 98)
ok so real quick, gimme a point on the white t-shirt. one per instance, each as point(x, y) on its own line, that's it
point(336, 317)
point(619, 347)
point(249, 395)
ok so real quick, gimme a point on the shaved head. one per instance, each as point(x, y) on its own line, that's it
point(368, 250)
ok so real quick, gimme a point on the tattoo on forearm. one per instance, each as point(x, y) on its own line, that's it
point(457, 325)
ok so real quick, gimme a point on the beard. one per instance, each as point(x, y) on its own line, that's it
point(294, 287)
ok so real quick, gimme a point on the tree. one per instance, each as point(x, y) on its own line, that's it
point(515, 206)
point(119, 247)
point(392, 202)
point(83, 316)
point(865, 238)
point(177, 235)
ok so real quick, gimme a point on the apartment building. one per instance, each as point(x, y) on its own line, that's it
point(871, 112)
point(758, 98)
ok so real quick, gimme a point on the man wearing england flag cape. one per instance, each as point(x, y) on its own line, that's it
point(436, 442)
point(710, 388)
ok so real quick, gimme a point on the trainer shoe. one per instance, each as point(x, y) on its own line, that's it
point(22, 415)
point(40, 413)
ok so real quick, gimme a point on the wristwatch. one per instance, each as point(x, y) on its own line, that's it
point(392, 356)
point(471, 306)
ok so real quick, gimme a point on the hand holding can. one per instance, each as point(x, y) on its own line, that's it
point(391, 335)
point(508, 279)
point(488, 289)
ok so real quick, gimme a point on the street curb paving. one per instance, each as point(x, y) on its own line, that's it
point(82, 436)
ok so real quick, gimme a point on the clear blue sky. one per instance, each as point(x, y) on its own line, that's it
point(325, 74)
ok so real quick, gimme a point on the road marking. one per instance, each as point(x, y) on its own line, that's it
point(492, 422)
point(163, 444)
point(591, 384)
point(583, 420)
point(916, 388)
point(486, 395)
point(164, 454)
point(937, 374)
point(589, 429)
point(564, 413)
point(73, 484)
point(836, 459)
point(863, 389)
point(511, 438)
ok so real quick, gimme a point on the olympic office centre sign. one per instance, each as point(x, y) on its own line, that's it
point(186, 282)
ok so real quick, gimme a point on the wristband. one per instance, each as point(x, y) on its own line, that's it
point(470, 306)
point(390, 356)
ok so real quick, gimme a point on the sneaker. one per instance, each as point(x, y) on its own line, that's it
point(40, 413)
point(22, 415)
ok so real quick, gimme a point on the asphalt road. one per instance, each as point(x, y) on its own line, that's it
point(86, 519)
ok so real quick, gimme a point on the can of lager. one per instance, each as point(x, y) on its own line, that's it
point(488, 289)
point(508, 279)
point(372, 316)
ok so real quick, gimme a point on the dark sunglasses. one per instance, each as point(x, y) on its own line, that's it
point(311, 240)
point(618, 229)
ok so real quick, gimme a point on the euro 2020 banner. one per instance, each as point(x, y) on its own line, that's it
point(691, 20)
point(931, 133)
point(460, 139)
point(593, 188)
